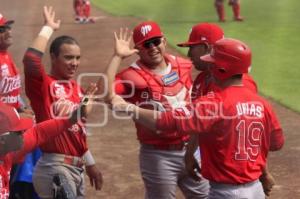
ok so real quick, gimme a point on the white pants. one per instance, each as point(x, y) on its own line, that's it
point(47, 167)
point(163, 170)
point(252, 190)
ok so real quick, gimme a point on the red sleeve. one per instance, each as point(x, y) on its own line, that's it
point(34, 72)
point(41, 133)
point(276, 137)
point(197, 119)
point(32, 61)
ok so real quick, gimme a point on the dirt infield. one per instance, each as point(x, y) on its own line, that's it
point(115, 146)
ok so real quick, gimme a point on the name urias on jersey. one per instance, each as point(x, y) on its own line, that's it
point(252, 109)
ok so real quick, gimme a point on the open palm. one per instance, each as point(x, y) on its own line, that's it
point(122, 43)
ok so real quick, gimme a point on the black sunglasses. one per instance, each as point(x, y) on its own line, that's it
point(149, 43)
point(4, 28)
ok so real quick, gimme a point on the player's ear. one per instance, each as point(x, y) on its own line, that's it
point(52, 57)
point(137, 48)
point(164, 40)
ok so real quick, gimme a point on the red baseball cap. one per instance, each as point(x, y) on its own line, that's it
point(10, 120)
point(203, 33)
point(4, 22)
point(145, 31)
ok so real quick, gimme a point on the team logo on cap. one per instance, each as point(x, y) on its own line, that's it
point(146, 29)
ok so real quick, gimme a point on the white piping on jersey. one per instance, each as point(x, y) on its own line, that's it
point(175, 101)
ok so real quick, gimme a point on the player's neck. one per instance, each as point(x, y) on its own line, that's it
point(161, 66)
point(230, 82)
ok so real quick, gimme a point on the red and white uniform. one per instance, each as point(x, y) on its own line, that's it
point(236, 130)
point(46, 94)
point(10, 81)
point(204, 84)
point(33, 137)
point(144, 87)
point(82, 8)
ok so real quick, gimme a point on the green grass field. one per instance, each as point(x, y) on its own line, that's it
point(271, 28)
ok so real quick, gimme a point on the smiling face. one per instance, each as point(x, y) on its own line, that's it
point(65, 64)
point(152, 52)
point(5, 37)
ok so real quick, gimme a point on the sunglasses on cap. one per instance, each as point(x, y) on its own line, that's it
point(4, 28)
point(155, 42)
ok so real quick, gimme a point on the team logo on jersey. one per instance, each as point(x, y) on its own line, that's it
point(9, 84)
point(170, 78)
point(146, 29)
point(59, 91)
point(4, 70)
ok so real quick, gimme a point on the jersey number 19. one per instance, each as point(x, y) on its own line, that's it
point(249, 140)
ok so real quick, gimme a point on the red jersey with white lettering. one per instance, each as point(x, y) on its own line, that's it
point(32, 138)
point(147, 89)
point(204, 83)
point(236, 130)
point(47, 96)
point(10, 82)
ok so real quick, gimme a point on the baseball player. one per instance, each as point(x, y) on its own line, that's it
point(219, 5)
point(82, 10)
point(201, 39)
point(10, 89)
point(157, 80)
point(15, 144)
point(10, 81)
point(236, 127)
point(52, 95)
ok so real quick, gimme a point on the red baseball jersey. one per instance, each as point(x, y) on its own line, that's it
point(47, 96)
point(10, 82)
point(236, 130)
point(204, 83)
point(41, 133)
point(147, 89)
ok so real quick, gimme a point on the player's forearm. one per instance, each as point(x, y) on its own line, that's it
point(110, 73)
point(40, 134)
point(192, 145)
point(145, 117)
point(41, 41)
point(277, 140)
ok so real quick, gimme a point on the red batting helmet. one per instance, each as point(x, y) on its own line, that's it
point(229, 57)
point(4, 22)
point(10, 120)
point(145, 31)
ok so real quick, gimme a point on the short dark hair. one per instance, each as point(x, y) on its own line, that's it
point(59, 41)
point(237, 76)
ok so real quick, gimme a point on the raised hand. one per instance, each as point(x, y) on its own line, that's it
point(49, 17)
point(122, 43)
